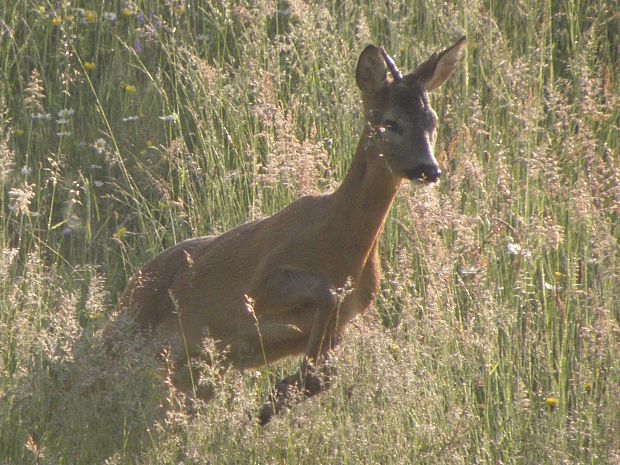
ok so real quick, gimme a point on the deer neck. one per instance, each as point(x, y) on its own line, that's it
point(361, 204)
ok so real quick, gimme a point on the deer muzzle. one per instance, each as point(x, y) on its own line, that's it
point(425, 173)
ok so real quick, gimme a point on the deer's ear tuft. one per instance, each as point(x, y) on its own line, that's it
point(371, 74)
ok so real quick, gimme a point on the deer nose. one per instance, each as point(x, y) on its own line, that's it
point(427, 173)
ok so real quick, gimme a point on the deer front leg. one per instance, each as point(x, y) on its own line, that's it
point(286, 292)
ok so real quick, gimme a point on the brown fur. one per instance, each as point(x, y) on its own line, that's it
point(269, 289)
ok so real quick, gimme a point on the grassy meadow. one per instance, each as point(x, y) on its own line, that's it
point(127, 126)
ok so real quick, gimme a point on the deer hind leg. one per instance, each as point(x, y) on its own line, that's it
point(288, 291)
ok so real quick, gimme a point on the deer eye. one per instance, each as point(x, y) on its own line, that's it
point(392, 126)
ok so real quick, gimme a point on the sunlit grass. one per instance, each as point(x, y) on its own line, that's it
point(129, 126)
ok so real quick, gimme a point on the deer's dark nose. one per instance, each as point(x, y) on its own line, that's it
point(427, 173)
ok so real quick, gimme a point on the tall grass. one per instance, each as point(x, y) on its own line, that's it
point(128, 126)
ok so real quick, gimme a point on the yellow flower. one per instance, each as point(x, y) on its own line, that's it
point(120, 233)
point(551, 402)
point(558, 276)
point(90, 16)
point(56, 20)
point(41, 9)
point(127, 12)
point(130, 89)
point(89, 66)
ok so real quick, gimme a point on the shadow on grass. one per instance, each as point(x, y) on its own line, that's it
point(82, 407)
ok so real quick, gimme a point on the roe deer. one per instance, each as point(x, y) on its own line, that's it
point(269, 288)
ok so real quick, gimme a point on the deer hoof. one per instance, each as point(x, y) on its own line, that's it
point(265, 414)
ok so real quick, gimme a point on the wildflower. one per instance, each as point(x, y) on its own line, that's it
point(513, 249)
point(120, 233)
point(100, 145)
point(66, 112)
point(89, 66)
point(109, 16)
point(137, 47)
point(98, 183)
point(39, 116)
point(41, 9)
point(56, 21)
point(465, 270)
point(130, 89)
point(127, 12)
point(169, 118)
point(552, 287)
point(90, 16)
point(155, 21)
point(551, 402)
point(63, 134)
point(62, 121)
point(130, 118)
point(588, 388)
point(25, 170)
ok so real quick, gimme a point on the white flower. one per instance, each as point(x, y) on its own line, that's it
point(62, 121)
point(169, 118)
point(63, 134)
point(65, 113)
point(98, 183)
point(25, 170)
point(514, 249)
point(465, 270)
point(130, 118)
point(109, 16)
point(100, 145)
point(39, 116)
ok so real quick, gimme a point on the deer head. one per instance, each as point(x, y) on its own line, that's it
point(399, 109)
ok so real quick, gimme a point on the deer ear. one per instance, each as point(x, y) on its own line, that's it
point(371, 74)
point(439, 67)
